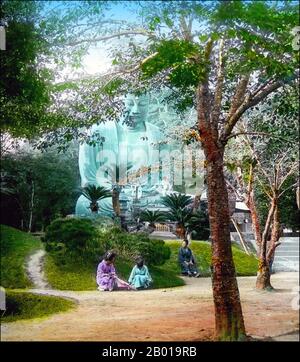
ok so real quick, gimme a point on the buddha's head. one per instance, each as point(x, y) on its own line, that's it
point(136, 108)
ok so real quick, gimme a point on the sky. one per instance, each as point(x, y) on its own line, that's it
point(97, 59)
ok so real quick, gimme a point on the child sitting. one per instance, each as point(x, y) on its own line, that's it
point(140, 277)
point(107, 278)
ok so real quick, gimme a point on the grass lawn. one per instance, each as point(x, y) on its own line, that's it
point(23, 305)
point(245, 265)
point(16, 246)
point(76, 276)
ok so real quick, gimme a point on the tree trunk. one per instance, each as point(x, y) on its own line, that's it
point(250, 202)
point(263, 280)
point(94, 207)
point(275, 235)
point(229, 321)
point(255, 221)
point(116, 201)
point(263, 274)
point(275, 232)
point(31, 207)
point(228, 311)
point(180, 231)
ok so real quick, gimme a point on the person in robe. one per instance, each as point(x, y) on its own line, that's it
point(140, 277)
point(128, 146)
point(107, 278)
point(187, 261)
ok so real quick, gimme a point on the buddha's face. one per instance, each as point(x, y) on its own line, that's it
point(136, 108)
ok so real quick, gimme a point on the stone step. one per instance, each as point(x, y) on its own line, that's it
point(286, 263)
point(288, 247)
point(285, 269)
point(293, 245)
point(286, 255)
point(292, 251)
point(285, 252)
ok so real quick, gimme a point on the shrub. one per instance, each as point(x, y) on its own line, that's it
point(155, 252)
point(73, 237)
point(80, 239)
point(198, 225)
point(129, 246)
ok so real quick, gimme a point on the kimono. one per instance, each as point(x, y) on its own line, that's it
point(186, 255)
point(140, 277)
point(107, 278)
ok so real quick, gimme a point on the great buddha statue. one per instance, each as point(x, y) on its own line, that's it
point(129, 155)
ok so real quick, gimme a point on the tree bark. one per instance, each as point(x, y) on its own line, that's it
point(275, 234)
point(255, 222)
point(180, 231)
point(116, 201)
point(229, 322)
point(31, 207)
point(263, 275)
point(250, 202)
point(263, 280)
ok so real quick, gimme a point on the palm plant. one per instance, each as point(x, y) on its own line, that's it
point(152, 217)
point(181, 217)
point(199, 224)
point(94, 194)
point(178, 211)
point(176, 201)
point(116, 186)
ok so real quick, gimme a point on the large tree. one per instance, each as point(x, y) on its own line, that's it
point(243, 54)
point(264, 160)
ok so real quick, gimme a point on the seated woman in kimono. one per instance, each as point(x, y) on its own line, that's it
point(187, 261)
point(107, 278)
point(140, 277)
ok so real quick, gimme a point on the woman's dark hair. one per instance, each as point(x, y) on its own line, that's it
point(140, 262)
point(109, 255)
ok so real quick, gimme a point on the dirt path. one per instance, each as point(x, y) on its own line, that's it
point(35, 270)
point(176, 314)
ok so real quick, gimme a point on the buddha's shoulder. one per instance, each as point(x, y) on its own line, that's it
point(104, 126)
point(153, 129)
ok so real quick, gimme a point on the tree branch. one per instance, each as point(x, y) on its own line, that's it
point(108, 37)
point(293, 169)
point(203, 94)
point(288, 188)
point(264, 189)
point(258, 134)
point(219, 87)
point(248, 103)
